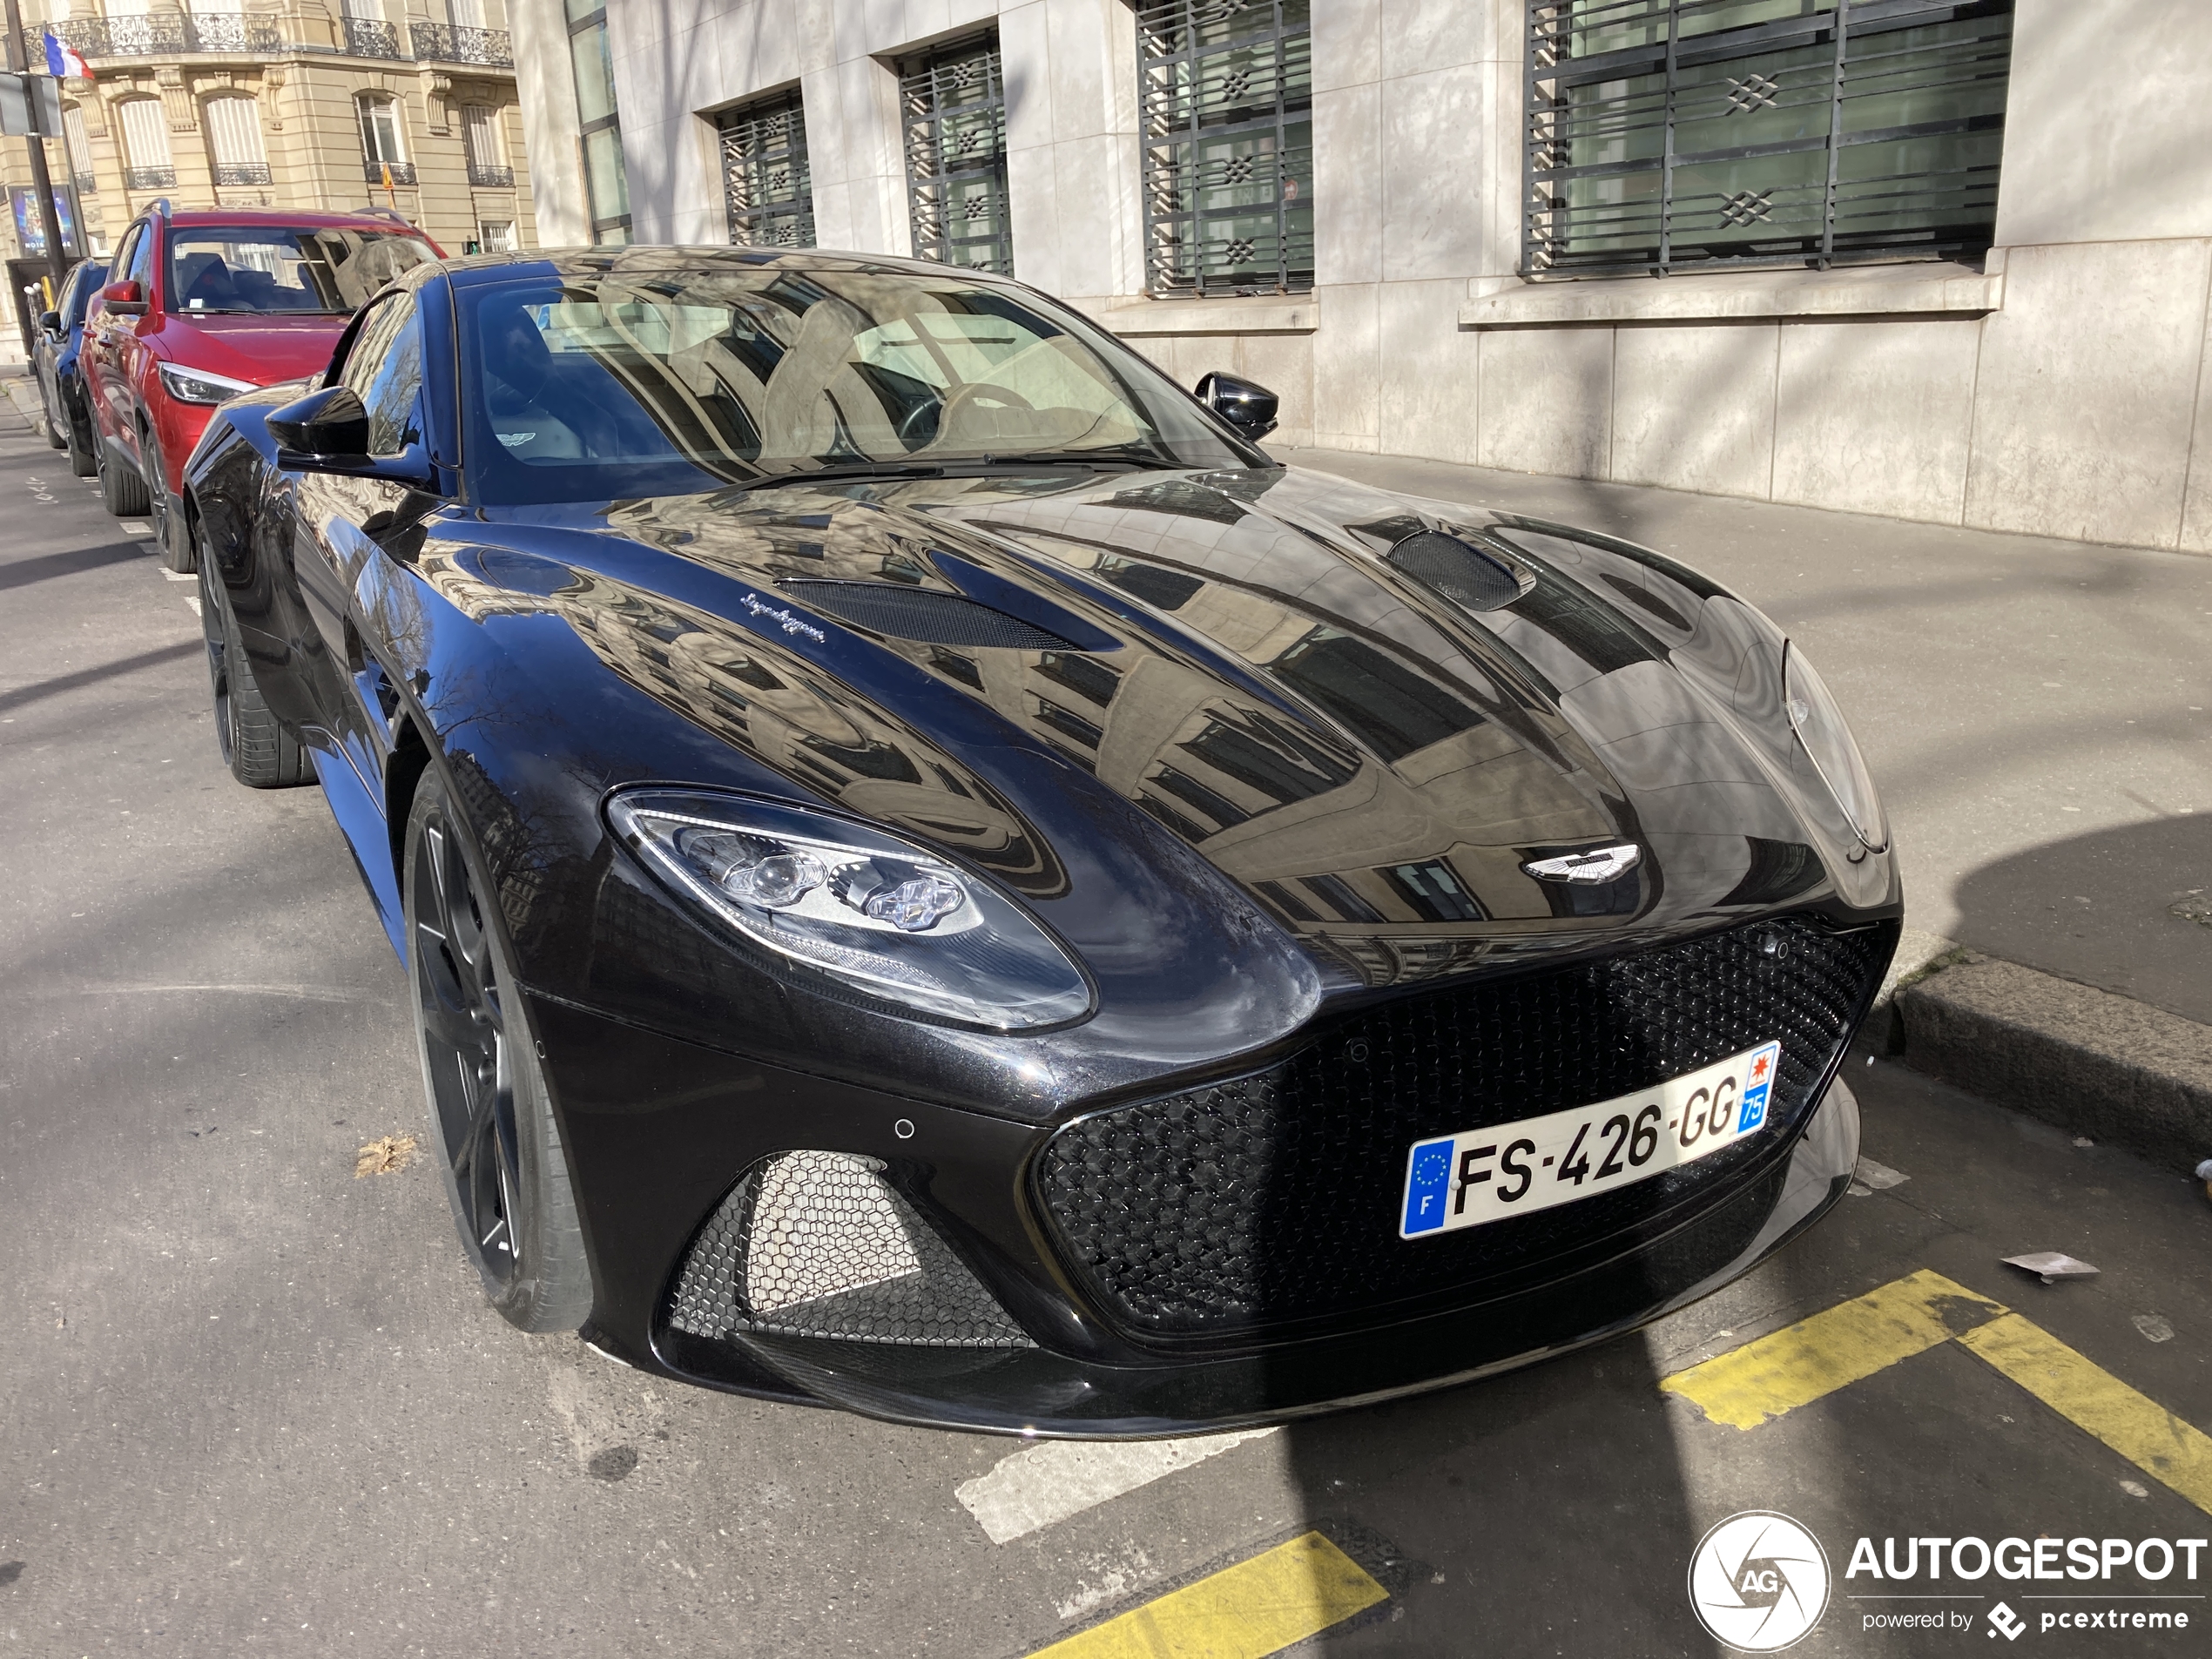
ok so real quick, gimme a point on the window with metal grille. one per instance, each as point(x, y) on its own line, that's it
point(952, 106)
point(606, 173)
point(234, 134)
point(1668, 134)
point(1225, 103)
point(765, 177)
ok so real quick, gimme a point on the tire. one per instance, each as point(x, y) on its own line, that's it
point(171, 536)
point(261, 751)
point(492, 1130)
point(122, 491)
point(81, 463)
point(54, 428)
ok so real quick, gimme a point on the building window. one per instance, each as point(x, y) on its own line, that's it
point(1225, 100)
point(606, 176)
point(496, 236)
point(1665, 136)
point(147, 163)
point(79, 145)
point(481, 138)
point(765, 176)
point(234, 135)
point(383, 156)
point(952, 104)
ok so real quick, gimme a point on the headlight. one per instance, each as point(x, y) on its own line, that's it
point(876, 914)
point(198, 386)
point(1819, 726)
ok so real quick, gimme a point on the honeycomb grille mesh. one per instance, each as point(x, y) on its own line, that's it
point(1275, 1197)
point(817, 1244)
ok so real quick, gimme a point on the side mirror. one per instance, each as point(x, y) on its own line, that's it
point(126, 299)
point(51, 322)
point(1248, 407)
point(327, 431)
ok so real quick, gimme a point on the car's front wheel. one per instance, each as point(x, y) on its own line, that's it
point(122, 491)
point(81, 464)
point(57, 428)
point(492, 1127)
point(169, 533)
point(261, 751)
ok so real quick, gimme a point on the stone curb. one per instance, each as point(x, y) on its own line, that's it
point(2106, 1067)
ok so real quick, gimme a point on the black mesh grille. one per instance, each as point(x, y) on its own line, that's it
point(1461, 573)
point(1275, 1197)
point(817, 1244)
point(923, 613)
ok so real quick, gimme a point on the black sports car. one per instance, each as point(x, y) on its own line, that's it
point(938, 877)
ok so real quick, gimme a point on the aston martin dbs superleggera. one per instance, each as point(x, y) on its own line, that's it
point(937, 877)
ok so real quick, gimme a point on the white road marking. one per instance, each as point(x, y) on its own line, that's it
point(178, 576)
point(192, 599)
point(137, 527)
point(1879, 1175)
point(1043, 1485)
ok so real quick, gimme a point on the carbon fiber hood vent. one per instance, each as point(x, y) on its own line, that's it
point(923, 615)
point(1464, 574)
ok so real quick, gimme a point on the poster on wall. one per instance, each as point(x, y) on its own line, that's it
point(30, 229)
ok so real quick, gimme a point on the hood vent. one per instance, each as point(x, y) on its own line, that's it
point(1468, 577)
point(923, 615)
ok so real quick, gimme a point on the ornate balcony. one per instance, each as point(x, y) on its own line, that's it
point(438, 43)
point(171, 37)
point(87, 183)
point(366, 37)
point(402, 172)
point(243, 172)
point(149, 178)
point(491, 178)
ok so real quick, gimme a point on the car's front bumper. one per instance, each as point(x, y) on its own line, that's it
point(658, 1129)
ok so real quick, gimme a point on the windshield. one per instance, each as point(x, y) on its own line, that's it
point(218, 268)
point(595, 387)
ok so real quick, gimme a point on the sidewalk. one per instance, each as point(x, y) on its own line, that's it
point(2039, 716)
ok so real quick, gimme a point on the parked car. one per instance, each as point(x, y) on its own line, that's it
point(206, 304)
point(54, 360)
point(937, 876)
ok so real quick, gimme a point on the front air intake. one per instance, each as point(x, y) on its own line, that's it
point(817, 1244)
point(923, 615)
point(1465, 575)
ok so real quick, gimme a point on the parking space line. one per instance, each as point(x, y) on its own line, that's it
point(1255, 1607)
point(1815, 1357)
point(1045, 1483)
point(2161, 1445)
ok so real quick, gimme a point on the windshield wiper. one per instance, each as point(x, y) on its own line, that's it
point(1116, 459)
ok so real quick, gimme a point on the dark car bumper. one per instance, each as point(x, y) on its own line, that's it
point(659, 1130)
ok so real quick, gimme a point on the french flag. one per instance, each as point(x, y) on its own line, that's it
point(65, 61)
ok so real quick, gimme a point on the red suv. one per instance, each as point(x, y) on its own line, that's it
point(204, 305)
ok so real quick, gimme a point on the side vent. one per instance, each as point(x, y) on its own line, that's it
point(923, 615)
point(1464, 574)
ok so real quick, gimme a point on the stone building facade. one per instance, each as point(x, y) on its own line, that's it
point(295, 105)
point(1948, 261)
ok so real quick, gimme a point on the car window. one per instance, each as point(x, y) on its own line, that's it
point(129, 246)
point(140, 267)
point(90, 279)
point(385, 369)
point(219, 268)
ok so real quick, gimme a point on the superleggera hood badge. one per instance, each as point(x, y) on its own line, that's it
point(789, 623)
point(1590, 869)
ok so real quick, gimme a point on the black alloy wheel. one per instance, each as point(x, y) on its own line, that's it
point(81, 463)
point(492, 1128)
point(169, 535)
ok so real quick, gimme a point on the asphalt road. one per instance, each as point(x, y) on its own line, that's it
point(250, 1403)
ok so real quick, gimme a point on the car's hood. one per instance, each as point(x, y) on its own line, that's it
point(1371, 759)
point(260, 349)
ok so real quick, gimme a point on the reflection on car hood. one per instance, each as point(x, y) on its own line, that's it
point(1231, 654)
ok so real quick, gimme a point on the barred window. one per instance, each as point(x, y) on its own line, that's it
point(1226, 102)
point(952, 106)
point(1669, 134)
point(765, 176)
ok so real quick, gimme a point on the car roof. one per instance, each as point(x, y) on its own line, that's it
point(488, 269)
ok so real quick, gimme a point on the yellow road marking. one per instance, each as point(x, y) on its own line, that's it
point(1258, 1607)
point(2096, 1401)
point(1852, 1340)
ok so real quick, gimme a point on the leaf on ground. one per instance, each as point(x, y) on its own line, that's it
point(386, 1157)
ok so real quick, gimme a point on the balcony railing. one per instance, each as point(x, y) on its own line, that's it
point(367, 37)
point(243, 172)
point(86, 183)
point(149, 178)
point(97, 37)
point(491, 178)
point(402, 172)
point(438, 43)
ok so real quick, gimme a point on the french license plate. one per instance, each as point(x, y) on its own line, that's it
point(1482, 1175)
